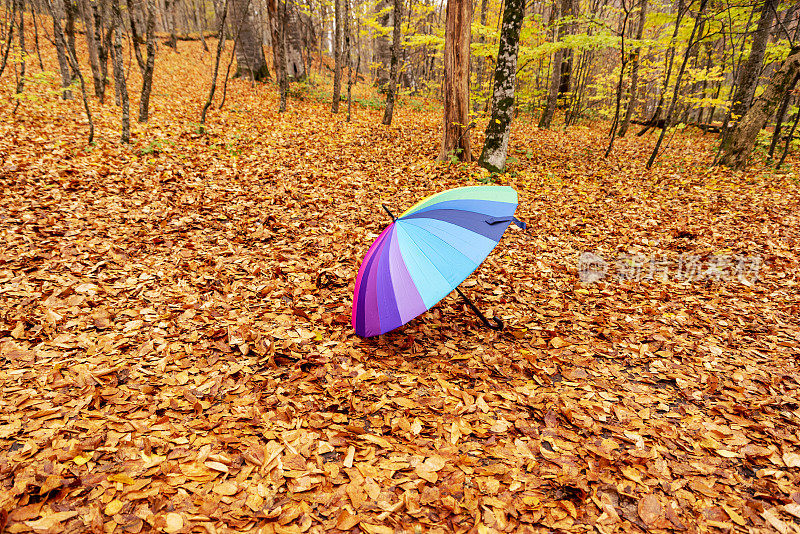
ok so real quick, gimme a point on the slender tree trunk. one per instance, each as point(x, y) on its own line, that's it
point(337, 56)
point(776, 134)
point(788, 140)
point(91, 43)
point(456, 136)
point(74, 63)
point(61, 52)
point(220, 45)
point(135, 37)
point(4, 60)
point(498, 131)
point(23, 52)
point(623, 63)
point(669, 116)
point(348, 51)
point(284, 79)
point(634, 91)
point(482, 59)
point(654, 120)
point(119, 72)
point(147, 75)
point(738, 145)
point(36, 35)
point(555, 78)
point(394, 70)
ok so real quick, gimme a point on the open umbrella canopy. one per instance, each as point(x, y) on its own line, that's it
point(427, 252)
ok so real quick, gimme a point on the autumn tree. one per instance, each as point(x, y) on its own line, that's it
point(250, 60)
point(456, 136)
point(498, 131)
point(737, 146)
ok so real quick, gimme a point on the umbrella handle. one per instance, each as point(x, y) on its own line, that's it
point(389, 212)
point(498, 324)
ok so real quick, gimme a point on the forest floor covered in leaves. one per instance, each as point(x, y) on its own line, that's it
point(177, 352)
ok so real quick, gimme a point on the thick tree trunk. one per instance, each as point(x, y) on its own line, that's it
point(169, 15)
point(495, 147)
point(250, 61)
point(456, 137)
point(119, 73)
point(394, 70)
point(295, 66)
point(634, 88)
point(737, 146)
point(337, 55)
point(748, 73)
point(147, 75)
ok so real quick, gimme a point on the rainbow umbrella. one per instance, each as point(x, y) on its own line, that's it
point(427, 252)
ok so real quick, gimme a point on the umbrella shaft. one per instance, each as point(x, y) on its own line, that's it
point(389, 212)
point(498, 324)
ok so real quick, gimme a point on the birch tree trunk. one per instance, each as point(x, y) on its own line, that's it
point(456, 136)
point(736, 148)
point(498, 131)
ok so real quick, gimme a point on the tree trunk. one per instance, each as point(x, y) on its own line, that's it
point(634, 90)
point(119, 72)
point(91, 43)
point(674, 101)
point(283, 81)
point(169, 15)
point(478, 104)
point(394, 71)
point(748, 74)
point(736, 148)
point(220, 46)
point(623, 63)
point(23, 52)
point(74, 64)
point(295, 66)
point(337, 56)
point(61, 52)
point(4, 60)
point(555, 78)
point(495, 147)
point(779, 116)
point(655, 118)
point(456, 137)
point(383, 52)
point(147, 75)
point(250, 61)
